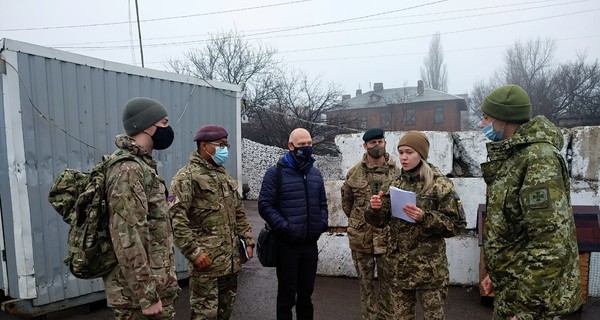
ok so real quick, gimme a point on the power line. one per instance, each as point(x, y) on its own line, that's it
point(420, 53)
point(416, 22)
point(281, 28)
point(474, 9)
point(442, 33)
point(250, 36)
point(352, 19)
point(43, 115)
point(269, 32)
point(156, 19)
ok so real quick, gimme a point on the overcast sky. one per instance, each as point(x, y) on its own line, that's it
point(351, 43)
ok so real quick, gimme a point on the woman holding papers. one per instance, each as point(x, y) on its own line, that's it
point(416, 252)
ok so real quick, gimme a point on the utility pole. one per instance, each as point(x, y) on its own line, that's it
point(137, 12)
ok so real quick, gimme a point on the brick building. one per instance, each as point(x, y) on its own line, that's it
point(401, 109)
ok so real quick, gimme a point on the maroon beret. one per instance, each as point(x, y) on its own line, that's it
point(210, 133)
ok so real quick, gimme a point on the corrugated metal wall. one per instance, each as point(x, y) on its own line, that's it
point(70, 115)
point(3, 182)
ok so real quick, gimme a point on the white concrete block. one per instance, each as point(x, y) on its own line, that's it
point(463, 260)
point(585, 164)
point(440, 149)
point(470, 151)
point(335, 258)
point(337, 217)
point(257, 158)
point(594, 278)
point(472, 193)
point(585, 193)
point(351, 150)
point(567, 136)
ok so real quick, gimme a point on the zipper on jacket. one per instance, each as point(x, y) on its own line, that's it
point(307, 208)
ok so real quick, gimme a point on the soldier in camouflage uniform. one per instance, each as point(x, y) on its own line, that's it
point(416, 260)
point(144, 284)
point(368, 243)
point(530, 247)
point(208, 221)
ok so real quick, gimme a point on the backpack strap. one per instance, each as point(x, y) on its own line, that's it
point(120, 156)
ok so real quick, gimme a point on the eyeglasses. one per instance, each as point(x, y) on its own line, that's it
point(221, 145)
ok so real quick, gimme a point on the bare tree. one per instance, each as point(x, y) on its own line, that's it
point(302, 102)
point(577, 92)
point(480, 90)
point(433, 72)
point(227, 57)
point(275, 101)
point(230, 58)
point(567, 94)
point(529, 65)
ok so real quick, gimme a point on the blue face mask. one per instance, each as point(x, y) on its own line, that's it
point(220, 156)
point(491, 134)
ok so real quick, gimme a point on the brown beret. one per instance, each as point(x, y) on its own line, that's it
point(210, 133)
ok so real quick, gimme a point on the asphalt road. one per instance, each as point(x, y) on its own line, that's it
point(334, 298)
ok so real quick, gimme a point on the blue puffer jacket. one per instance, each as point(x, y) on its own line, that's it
point(302, 214)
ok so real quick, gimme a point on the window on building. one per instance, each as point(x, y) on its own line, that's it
point(362, 122)
point(374, 98)
point(410, 119)
point(439, 115)
point(386, 119)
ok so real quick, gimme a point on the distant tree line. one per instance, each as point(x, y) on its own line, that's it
point(567, 93)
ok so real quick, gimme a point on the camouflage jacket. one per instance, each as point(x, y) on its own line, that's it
point(141, 232)
point(416, 252)
point(530, 246)
point(362, 181)
point(208, 216)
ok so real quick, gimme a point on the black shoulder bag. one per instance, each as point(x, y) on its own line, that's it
point(266, 246)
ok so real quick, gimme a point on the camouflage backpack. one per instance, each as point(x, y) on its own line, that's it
point(80, 198)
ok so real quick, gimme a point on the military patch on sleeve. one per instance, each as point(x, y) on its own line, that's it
point(538, 199)
point(461, 210)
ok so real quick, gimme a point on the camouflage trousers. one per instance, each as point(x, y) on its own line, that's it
point(498, 316)
point(212, 298)
point(405, 301)
point(370, 301)
point(168, 313)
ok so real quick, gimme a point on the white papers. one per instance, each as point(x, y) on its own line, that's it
point(399, 198)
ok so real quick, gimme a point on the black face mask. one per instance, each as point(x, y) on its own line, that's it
point(163, 137)
point(302, 154)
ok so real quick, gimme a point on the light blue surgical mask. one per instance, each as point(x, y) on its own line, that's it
point(491, 134)
point(220, 156)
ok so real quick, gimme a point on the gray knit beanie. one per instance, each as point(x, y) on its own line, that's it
point(141, 113)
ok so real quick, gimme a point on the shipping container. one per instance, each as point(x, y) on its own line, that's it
point(62, 110)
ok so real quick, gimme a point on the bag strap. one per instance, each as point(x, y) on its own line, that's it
point(118, 157)
point(278, 186)
point(277, 192)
